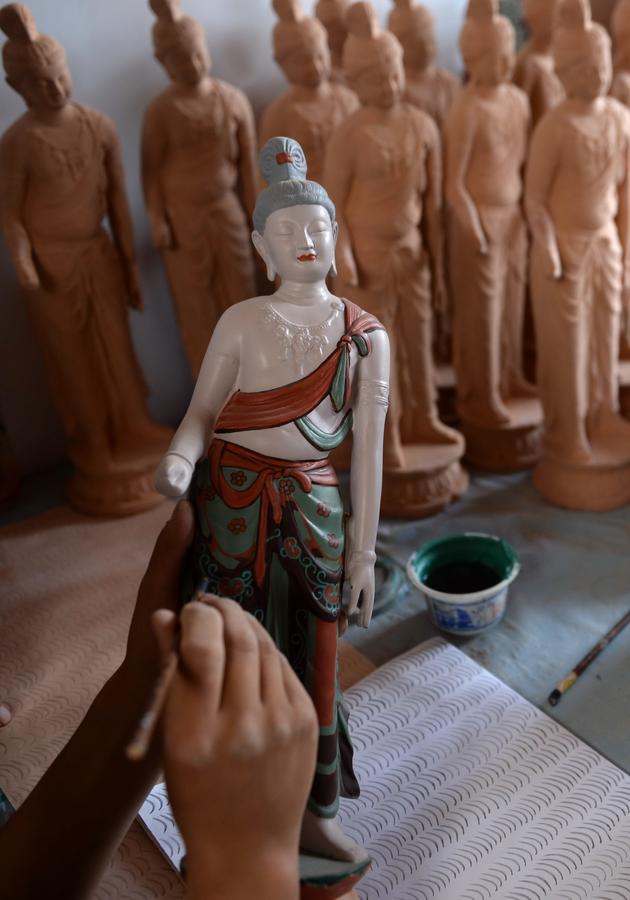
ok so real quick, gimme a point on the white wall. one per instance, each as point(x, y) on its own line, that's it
point(109, 51)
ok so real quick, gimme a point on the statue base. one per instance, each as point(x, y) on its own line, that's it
point(511, 447)
point(624, 387)
point(328, 879)
point(599, 485)
point(432, 478)
point(120, 486)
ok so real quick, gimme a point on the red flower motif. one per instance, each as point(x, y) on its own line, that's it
point(291, 547)
point(237, 526)
point(230, 587)
point(238, 478)
point(331, 593)
point(323, 510)
point(333, 540)
point(286, 487)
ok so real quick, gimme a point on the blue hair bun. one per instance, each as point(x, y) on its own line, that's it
point(282, 159)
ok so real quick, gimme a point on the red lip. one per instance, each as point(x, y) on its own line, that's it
point(307, 257)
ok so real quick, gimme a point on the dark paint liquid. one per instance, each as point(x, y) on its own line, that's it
point(462, 577)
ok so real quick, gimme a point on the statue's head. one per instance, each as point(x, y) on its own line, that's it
point(179, 43)
point(539, 17)
point(487, 43)
point(620, 25)
point(414, 27)
point(372, 59)
point(581, 51)
point(332, 15)
point(295, 222)
point(35, 64)
point(300, 45)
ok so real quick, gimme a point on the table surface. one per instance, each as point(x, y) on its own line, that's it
point(573, 586)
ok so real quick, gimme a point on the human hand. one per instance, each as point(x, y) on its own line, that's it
point(360, 573)
point(240, 739)
point(173, 475)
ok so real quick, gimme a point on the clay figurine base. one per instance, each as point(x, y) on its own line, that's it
point(328, 879)
point(432, 478)
point(624, 387)
point(597, 486)
point(511, 448)
point(122, 488)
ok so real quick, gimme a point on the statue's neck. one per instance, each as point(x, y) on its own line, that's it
point(300, 294)
point(414, 72)
point(201, 89)
point(54, 117)
point(307, 92)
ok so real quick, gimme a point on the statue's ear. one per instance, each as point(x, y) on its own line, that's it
point(261, 246)
point(333, 266)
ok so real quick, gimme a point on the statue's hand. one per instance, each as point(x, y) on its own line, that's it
point(161, 233)
point(360, 574)
point(28, 278)
point(134, 291)
point(346, 265)
point(173, 475)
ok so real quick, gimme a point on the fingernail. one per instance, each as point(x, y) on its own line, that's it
point(5, 714)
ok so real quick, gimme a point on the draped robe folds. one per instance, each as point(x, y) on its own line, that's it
point(270, 535)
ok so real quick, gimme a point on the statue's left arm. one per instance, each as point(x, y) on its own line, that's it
point(118, 212)
point(433, 218)
point(366, 474)
point(13, 185)
point(247, 162)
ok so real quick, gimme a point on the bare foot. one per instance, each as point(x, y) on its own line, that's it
point(324, 837)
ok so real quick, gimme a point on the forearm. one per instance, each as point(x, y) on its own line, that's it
point(193, 435)
point(366, 472)
point(268, 877)
point(120, 220)
point(59, 842)
point(18, 243)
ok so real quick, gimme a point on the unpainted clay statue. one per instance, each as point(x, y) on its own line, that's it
point(486, 137)
point(534, 72)
point(332, 15)
point(578, 208)
point(60, 177)
point(313, 106)
point(427, 86)
point(383, 169)
point(199, 176)
point(284, 380)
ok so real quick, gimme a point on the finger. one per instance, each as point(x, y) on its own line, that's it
point(202, 650)
point(160, 585)
point(355, 595)
point(272, 690)
point(241, 682)
point(164, 622)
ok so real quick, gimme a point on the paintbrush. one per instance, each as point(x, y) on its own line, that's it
point(139, 745)
point(568, 682)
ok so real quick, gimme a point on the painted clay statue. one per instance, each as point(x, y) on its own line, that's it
point(486, 136)
point(199, 175)
point(313, 106)
point(534, 72)
point(332, 15)
point(283, 381)
point(427, 86)
point(60, 176)
point(383, 169)
point(578, 207)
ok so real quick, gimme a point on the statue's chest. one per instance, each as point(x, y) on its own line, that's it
point(392, 153)
point(592, 148)
point(64, 158)
point(501, 135)
point(203, 120)
point(313, 122)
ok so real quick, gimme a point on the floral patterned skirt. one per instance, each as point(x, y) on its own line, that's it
point(270, 535)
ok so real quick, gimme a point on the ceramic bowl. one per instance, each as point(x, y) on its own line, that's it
point(461, 610)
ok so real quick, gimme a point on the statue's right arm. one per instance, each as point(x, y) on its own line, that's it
point(542, 166)
point(338, 178)
point(216, 381)
point(153, 151)
point(459, 138)
point(13, 180)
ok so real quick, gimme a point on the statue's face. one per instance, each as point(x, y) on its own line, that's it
point(538, 15)
point(300, 242)
point(589, 78)
point(382, 84)
point(187, 64)
point(46, 90)
point(308, 64)
point(419, 46)
point(495, 66)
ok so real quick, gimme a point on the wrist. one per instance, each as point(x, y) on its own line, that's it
point(241, 876)
point(362, 556)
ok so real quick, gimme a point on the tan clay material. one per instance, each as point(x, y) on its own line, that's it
point(199, 176)
point(332, 15)
point(486, 137)
point(577, 205)
point(534, 71)
point(427, 86)
point(313, 106)
point(383, 171)
point(60, 177)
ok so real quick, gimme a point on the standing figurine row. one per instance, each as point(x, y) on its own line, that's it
point(371, 109)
